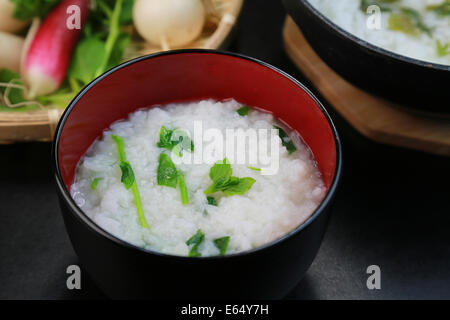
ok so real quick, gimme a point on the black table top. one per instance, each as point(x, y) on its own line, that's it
point(392, 209)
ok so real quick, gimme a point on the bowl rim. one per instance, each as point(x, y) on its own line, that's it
point(92, 226)
point(371, 47)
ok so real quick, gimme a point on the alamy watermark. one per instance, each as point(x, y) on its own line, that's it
point(253, 147)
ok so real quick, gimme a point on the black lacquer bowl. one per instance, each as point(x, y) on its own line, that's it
point(414, 84)
point(122, 270)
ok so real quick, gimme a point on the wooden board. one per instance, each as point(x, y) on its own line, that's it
point(372, 116)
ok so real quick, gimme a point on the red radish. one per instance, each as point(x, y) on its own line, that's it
point(49, 53)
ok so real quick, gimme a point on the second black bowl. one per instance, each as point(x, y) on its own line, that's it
point(418, 85)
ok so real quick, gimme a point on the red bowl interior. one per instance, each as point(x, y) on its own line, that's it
point(190, 76)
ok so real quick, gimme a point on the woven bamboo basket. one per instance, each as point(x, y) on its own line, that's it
point(40, 125)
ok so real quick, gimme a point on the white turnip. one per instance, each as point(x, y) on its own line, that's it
point(169, 23)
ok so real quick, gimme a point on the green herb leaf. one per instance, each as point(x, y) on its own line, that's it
point(221, 172)
point(183, 189)
point(95, 182)
point(167, 172)
point(127, 174)
point(27, 9)
point(223, 181)
point(211, 201)
point(408, 21)
point(254, 168)
point(286, 140)
point(239, 188)
point(165, 140)
point(442, 9)
point(120, 147)
point(129, 180)
point(222, 244)
point(442, 49)
point(175, 140)
point(243, 111)
point(195, 241)
point(88, 55)
point(384, 5)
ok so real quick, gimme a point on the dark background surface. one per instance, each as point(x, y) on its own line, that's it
point(392, 209)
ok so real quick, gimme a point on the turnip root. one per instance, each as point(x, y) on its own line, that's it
point(7, 21)
point(10, 51)
point(48, 57)
point(169, 23)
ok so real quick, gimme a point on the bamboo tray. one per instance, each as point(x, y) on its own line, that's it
point(39, 125)
point(375, 118)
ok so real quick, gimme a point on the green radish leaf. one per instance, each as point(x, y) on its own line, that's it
point(15, 95)
point(222, 244)
point(88, 54)
point(126, 14)
point(122, 43)
point(167, 174)
point(28, 9)
point(195, 241)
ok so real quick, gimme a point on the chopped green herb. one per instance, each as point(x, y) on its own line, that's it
point(221, 175)
point(408, 21)
point(254, 168)
point(195, 241)
point(241, 187)
point(183, 189)
point(442, 9)
point(222, 244)
point(243, 111)
point(175, 140)
point(165, 138)
point(211, 201)
point(384, 5)
point(169, 176)
point(129, 180)
point(120, 147)
point(127, 174)
point(167, 172)
point(94, 183)
point(443, 49)
point(286, 140)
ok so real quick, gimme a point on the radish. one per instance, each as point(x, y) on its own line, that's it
point(10, 51)
point(169, 23)
point(48, 56)
point(7, 21)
